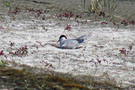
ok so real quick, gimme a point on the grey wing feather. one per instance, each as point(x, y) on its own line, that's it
point(81, 39)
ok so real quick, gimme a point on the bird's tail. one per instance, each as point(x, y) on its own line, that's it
point(82, 38)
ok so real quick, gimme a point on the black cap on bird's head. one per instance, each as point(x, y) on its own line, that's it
point(62, 37)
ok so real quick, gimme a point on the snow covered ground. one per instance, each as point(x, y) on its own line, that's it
point(101, 55)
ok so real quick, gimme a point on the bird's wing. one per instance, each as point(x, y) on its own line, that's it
point(70, 43)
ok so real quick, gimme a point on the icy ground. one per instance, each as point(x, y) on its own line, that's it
point(99, 56)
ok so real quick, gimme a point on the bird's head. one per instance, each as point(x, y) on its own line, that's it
point(62, 38)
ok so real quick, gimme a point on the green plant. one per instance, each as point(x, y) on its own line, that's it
point(94, 6)
point(2, 63)
point(109, 6)
point(7, 4)
point(84, 5)
point(89, 8)
point(105, 8)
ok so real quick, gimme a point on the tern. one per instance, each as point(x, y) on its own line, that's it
point(66, 43)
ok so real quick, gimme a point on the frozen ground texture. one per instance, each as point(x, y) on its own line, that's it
point(98, 56)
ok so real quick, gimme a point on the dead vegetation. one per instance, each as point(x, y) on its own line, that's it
point(25, 80)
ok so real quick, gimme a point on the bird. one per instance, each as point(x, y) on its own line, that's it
point(66, 43)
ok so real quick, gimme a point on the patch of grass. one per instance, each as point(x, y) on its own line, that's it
point(25, 80)
point(74, 85)
point(108, 10)
point(2, 63)
point(109, 6)
point(7, 4)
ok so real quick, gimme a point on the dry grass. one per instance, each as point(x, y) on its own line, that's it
point(25, 80)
